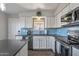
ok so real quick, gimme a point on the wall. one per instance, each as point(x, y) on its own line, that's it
point(33, 13)
point(16, 21)
point(3, 26)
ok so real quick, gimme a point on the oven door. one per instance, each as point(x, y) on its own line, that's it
point(65, 50)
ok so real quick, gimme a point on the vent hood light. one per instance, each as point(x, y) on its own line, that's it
point(2, 6)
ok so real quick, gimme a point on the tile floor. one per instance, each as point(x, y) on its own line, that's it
point(40, 53)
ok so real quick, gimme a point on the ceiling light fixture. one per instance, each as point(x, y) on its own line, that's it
point(2, 6)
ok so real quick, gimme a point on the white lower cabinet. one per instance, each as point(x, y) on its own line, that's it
point(58, 47)
point(49, 42)
point(75, 51)
point(44, 42)
point(35, 43)
point(53, 44)
point(39, 42)
point(23, 51)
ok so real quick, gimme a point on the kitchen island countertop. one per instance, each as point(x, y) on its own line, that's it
point(11, 47)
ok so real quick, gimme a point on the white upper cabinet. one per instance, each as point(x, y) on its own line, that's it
point(28, 22)
point(50, 22)
point(65, 10)
point(74, 5)
point(21, 23)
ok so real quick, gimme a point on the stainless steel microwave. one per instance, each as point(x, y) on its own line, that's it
point(72, 16)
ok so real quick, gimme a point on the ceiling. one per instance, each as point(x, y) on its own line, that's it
point(12, 8)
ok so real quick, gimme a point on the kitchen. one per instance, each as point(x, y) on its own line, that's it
point(39, 29)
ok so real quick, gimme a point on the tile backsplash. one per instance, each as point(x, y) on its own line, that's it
point(50, 31)
point(62, 31)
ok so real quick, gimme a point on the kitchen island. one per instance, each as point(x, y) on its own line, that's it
point(13, 47)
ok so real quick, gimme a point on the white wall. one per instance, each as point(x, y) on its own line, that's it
point(33, 13)
point(17, 21)
point(3, 26)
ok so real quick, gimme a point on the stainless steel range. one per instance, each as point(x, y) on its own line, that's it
point(73, 35)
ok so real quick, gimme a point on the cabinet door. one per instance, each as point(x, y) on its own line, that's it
point(49, 42)
point(50, 22)
point(74, 5)
point(75, 52)
point(53, 44)
point(29, 22)
point(58, 47)
point(42, 42)
point(35, 43)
